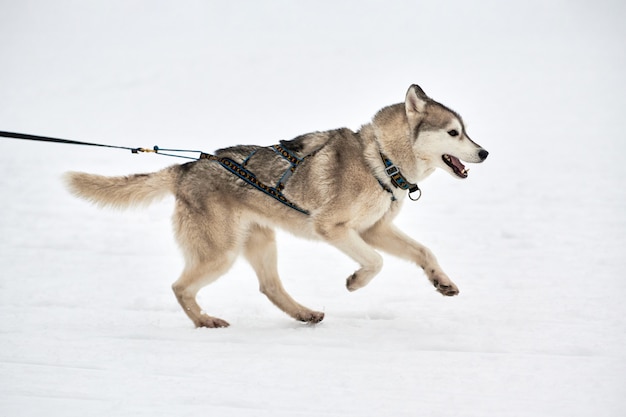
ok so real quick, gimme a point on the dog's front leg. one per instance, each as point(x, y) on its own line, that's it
point(388, 238)
point(349, 242)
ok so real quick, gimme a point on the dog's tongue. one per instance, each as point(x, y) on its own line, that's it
point(457, 163)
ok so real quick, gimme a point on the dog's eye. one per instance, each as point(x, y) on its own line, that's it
point(453, 132)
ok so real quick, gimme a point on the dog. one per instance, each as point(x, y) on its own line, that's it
point(339, 186)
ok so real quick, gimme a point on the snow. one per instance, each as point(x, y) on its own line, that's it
point(534, 238)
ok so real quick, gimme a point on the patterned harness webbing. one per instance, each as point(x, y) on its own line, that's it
point(240, 171)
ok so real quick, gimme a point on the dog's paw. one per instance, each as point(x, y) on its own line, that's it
point(357, 280)
point(211, 322)
point(352, 283)
point(446, 287)
point(363, 276)
point(311, 317)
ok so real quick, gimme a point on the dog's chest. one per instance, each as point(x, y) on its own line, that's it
point(370, 210)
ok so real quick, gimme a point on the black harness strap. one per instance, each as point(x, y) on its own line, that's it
point(292, 159)
point(240, 171)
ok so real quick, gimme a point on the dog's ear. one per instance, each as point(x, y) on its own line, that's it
point(415, 101)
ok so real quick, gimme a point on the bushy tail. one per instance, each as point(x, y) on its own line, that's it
point(122, 192)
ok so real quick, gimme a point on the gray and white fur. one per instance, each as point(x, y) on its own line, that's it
point(342, 184)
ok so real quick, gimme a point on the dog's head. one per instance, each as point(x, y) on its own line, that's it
point(439, 136)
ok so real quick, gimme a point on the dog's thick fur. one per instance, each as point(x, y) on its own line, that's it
point(342, 184)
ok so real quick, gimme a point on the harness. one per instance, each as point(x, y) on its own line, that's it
point(242, 172)
point(239, 169)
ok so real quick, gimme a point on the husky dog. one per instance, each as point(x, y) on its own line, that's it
point(339, 186)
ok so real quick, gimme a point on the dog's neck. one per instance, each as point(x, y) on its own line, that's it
point(389, 134)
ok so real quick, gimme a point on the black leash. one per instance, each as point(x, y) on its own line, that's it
point(155, 149)
point(229, 164)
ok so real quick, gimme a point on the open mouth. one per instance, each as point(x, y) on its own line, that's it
point(457, 167)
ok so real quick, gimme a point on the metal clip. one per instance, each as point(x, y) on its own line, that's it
point(136, 150)
point(413, 190)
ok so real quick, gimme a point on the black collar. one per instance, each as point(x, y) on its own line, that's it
point(397, 179)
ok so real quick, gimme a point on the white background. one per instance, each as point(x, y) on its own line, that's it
point(535, 237)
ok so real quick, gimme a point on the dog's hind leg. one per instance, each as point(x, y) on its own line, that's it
point(193, 279)
point(260, 251)
point(211, 241)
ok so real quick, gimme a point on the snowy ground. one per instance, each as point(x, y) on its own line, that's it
point(535, 238)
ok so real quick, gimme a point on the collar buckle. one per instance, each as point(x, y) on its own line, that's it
point(391, 170)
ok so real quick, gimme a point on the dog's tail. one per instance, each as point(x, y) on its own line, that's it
point(125, 191)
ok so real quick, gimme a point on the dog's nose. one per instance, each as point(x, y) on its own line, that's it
point(483, 154)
